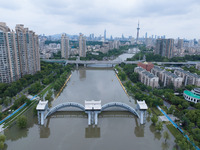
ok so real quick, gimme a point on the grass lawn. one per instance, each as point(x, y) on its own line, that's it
point(156, 111)
point(175, 132)
point(47, 89)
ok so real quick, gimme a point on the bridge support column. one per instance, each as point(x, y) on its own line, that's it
point(41, 117)
point(142, 107)
point(142, 117)
point(96, 118)
point(41, 108)
point(85, 65)
point(76, 65)
point(89, 117)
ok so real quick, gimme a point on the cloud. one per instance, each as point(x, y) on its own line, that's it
point(169, 17)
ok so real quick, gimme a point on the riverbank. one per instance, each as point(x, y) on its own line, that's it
point(122, 85)
point(23, 108)
point(143, 92)
point(63, 86)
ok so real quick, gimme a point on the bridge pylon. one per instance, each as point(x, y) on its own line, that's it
point(41, 109)
point(93, 108)
point(142, 107)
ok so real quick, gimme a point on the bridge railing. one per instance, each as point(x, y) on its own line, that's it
point(122, 105)
point(63, 105)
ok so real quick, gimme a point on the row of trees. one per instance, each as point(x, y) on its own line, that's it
point(60, 81)
point(150, 56)
point(13, 88)
point(48, 74)
point(100, 56)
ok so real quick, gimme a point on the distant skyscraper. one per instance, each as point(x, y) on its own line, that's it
point(180, 44)
point(65, 49)
point(146, 35)
point(105, 34)
point(165, 47)
point(138, 30)
point(19, 53)
point(122, 36)
point(82, 46)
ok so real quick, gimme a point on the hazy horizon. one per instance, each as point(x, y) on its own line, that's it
point(171, 18)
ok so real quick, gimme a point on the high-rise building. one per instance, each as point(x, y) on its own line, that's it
point(28, 50)
point(165, 47)
point(105, 34)
point(138, 30)
point(116, 44)
point(180, 44)
point(19, 53)
point(65, 49)
point(82, 46)
point(7, 55)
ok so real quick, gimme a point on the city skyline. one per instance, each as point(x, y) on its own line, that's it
point(173, 19)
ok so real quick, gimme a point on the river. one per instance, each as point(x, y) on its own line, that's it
point(69, 130)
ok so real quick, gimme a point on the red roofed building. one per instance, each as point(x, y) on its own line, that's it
point(146, 65)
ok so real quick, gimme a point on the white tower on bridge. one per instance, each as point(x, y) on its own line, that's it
point(142, 107)
point(92, 108)
point(41, 108)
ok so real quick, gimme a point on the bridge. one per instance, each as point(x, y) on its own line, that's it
point(88, 62)
point(113, 62)
point(92, 109)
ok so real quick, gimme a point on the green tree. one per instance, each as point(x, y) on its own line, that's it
point(28, 101)
point(123, 76)
point(34, 110)
point(134, 77)
point(1, 144)
point(171, 109)
point(154, 119)
point(159, 126)
point(2, 138)
point(185, 105)
point(149, 111)
point(22, 122)
point(166, 136)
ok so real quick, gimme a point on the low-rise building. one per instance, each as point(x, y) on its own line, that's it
point(157, 71)
point(188, 78)
point(167, 77)
point(171, 78)
point(146, 77)
point(146, 65)
point(192, 96)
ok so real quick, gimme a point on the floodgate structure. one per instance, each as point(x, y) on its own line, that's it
point(92, 109)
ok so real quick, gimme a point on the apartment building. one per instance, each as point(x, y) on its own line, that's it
point(167, 77)
point(82, 46)
point(65, 48)
point(188, 77)
point(146, 77)
point(19, 53)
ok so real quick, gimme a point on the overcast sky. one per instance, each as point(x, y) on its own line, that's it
point(173, 18)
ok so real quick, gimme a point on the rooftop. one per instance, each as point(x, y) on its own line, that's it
point(42, 105)
point(92, 105)
point(189, 73)
point(150, 75)
point(142, 104)
point(189, 93)
point(158, 68)
point(171, 74)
